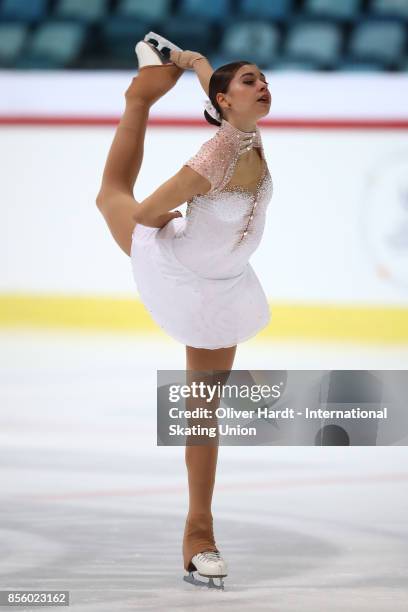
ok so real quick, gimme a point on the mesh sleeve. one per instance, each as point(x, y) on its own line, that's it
point(207, 162)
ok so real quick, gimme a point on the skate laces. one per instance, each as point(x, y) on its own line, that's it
point(209, 556)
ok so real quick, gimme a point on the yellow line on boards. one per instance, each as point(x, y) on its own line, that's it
point(363, 323)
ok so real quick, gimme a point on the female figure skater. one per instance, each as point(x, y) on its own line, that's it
point(193, 273)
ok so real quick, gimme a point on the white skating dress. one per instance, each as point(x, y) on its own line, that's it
point(193, 274)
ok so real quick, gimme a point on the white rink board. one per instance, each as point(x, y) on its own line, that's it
point(326, 233)
point(337, 224)
point(294, 95)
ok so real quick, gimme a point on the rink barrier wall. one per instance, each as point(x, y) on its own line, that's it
point(283, 123)
point(367, 308)
point(349, 323)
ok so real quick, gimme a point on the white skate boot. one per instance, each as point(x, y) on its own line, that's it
point(156, 75)
point(211, 565)
point(154, 50)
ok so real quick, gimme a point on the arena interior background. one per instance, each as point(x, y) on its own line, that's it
point(334, 257)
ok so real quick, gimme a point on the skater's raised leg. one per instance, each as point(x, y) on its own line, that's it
point(115, 199)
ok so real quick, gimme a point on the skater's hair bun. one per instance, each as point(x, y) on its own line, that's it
point(219, 83)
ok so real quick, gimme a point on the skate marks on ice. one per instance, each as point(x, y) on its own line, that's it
point(125, 559)
point(102, 556)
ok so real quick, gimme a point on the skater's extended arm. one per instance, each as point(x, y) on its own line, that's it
point(177, 190)
point(191, 60)
point(154, 211)
point(203, 70)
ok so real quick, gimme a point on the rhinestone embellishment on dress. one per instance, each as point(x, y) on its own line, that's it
point(260, 195)
point(237, 209)
point(246, 143)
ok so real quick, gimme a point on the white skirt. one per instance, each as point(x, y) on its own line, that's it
point(199, 312)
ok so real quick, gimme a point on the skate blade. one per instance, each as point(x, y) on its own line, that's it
point(161, 41)
point(210, 584)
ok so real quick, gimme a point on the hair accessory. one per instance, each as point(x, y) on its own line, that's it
point(212, 111)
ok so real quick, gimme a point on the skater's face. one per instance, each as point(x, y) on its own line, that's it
point(248, 95)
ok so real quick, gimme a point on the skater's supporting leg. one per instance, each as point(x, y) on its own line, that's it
point(201, 462)
point(201, 459)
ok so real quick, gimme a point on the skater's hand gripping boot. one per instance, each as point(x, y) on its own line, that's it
point(185, 59)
